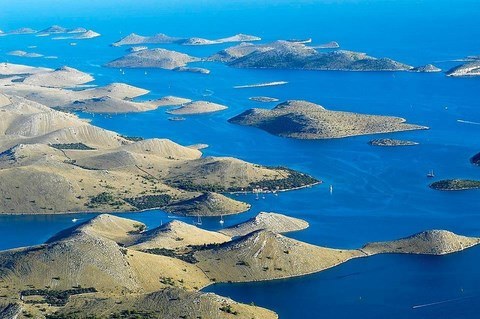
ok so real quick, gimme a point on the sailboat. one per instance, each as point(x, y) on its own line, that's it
point(431, 174)
point(199, 221)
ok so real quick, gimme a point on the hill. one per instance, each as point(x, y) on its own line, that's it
point(432, 242)
point(273, 222)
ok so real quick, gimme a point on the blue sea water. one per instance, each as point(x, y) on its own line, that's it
point(378, 193)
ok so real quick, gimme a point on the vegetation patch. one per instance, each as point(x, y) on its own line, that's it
point(292, 179)
point(104, 198)
point(455, 184)
point(72, 146)
point(56, 298)
point(187, 257)
point(132, 138)
point(149, 201)
point(228, 309)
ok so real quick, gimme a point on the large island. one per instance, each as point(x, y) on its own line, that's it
point(305, 120)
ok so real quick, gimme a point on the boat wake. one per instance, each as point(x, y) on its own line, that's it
point(468, 122)
point(440, 302)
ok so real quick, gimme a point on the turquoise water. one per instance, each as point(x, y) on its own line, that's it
point(379, 193)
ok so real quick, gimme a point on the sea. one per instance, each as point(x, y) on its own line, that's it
point(377, 193)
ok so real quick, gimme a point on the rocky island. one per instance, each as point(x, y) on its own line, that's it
point(25, 54)
point(122, 268)
point(197, 107)
point(429, 68)
point(470, 68)
point(391, 142)
point(455, 185)
point(264, 99)
point(153, 58)
point(291, 55)
point(305, 120)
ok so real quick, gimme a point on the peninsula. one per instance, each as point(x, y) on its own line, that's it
point(54, 162)
point(122, 266)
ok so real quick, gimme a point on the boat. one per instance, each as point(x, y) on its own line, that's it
point(199, 221)
point(74, 220)
point(221, 220)
point(331, 189)
point(431, 174)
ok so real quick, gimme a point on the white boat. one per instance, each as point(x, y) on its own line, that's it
point(199, 221)
point(221, 220)
point(74, 220)
point(431, 174)
point(331, 189)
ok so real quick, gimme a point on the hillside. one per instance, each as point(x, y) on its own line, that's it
point(273, 222)
point(52, 162)
point(208, 204)
point(305, 120)
point(263, 255)
point(177, 234)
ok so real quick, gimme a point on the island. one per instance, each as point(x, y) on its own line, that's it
point(306, 120)
point(24, 54)
point(55, 162)
point(122, 266)
point(470, 68)
point(192, 69)
point(197, 107)
point(455, 185)
point(328, 45)
point(153, 58)
point(62, 89)
point(391, 142)
point(264, 99)
point(475, 160)
point(160, 38)
point(294, 55)
point(429, 68)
